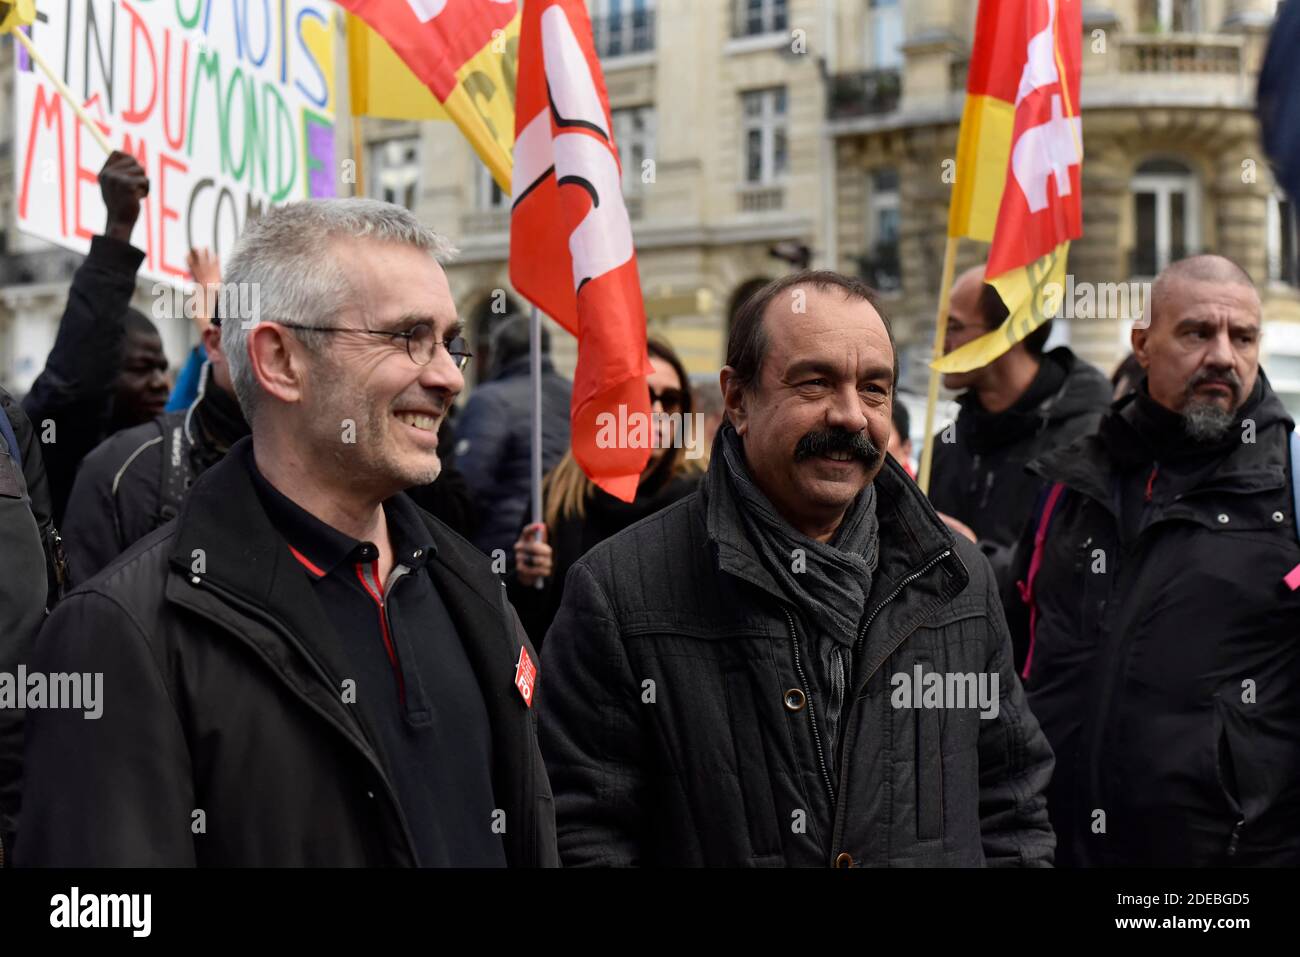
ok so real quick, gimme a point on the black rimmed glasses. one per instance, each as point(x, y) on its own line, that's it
point(421, 341)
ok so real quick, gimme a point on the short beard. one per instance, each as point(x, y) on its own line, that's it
point(1206, 421)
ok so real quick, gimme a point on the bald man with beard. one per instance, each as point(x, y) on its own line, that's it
point(1163, 658)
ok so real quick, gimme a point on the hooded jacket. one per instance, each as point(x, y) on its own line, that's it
point(980, 478)
point(217, 696)
point(679, 728)
point(1165, 664)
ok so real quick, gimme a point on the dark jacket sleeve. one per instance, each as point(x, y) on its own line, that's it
point(1015, 763)
point(75, 389)
point(1013, 604)
point(590, 736)
point(38, 491)
point(113, 790)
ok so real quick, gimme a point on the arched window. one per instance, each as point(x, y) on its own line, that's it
point(1166, 216)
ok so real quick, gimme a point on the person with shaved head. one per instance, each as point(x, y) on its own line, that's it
point(1158, 622)
point(1016, 408)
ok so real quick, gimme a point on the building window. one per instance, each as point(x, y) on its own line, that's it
point(620, 27)
point(756, 17)
point(880, 265)
point(764, 130)
point(634, 134)
point(885, 42)
point(1283, 240)
point(1169, 16)
point(1166, 216)
point(395, 170)
point(488, 195)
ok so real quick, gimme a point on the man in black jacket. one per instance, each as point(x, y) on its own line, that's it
point(783, 668)
point(494, 436)
point(1019, 406)
point(105, 371)
point(303, 668)
point(135, 480)
point(1164, 650)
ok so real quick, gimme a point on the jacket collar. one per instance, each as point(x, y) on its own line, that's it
point(1088, 467)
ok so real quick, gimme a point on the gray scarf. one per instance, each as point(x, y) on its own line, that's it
point(828, 583)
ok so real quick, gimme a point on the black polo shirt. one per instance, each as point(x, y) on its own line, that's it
point(414, 681)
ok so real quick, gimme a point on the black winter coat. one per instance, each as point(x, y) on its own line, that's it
point(678, 729)
point(494, 448)
point(75, 389)
point(217, 698)
point(1166, 657)
point(980, 478)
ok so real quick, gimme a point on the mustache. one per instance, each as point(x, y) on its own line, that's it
point(1226, 377)
point(824, 441)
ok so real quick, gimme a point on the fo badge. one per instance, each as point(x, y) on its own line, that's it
point(525, 676)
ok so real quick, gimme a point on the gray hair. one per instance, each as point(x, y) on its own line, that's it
point(286, 258)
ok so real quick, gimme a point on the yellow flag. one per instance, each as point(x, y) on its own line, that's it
point(381, 84)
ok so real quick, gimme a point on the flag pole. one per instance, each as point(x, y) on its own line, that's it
point(940, 329)
point(64, 92)
point(358, 157)
point(535, 374)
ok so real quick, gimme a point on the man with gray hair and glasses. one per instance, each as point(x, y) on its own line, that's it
point(303, 668)
point(1159, 609)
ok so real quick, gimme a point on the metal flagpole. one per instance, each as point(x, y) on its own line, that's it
point(535, 373)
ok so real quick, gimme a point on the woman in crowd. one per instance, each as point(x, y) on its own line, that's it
point(578, 515)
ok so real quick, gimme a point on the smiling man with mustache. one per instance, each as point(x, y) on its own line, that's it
point(1164, 655)
point(718, 676)
point(303, 668)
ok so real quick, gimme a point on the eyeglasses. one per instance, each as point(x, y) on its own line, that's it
point(421, 342)
point(672, 400)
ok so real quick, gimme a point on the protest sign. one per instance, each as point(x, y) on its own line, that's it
point(228, 105)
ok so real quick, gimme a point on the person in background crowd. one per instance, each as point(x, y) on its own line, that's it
point(494, 434)
point(31, 581)
point(136, 479)
point(1126, 377)
point(900, 438)
point(578, 515)
point(323, 670)
point(205, 269)
point(1012, 410)
point(718, 677)
point(1159, 628)
point(106, 370)
point(707, 401)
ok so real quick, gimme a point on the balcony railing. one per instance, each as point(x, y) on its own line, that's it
point(1181, 55)
point(486, 221)
point(762, 199)
point(31, 268)
point(863, 93)
point(624, 33)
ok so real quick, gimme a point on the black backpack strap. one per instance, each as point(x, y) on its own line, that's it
point(177, 468)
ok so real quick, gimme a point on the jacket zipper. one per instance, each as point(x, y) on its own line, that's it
point(812, 714)
point(370, 757)
point(862, 633)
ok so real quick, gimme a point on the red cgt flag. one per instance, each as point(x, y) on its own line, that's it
point(570, 238)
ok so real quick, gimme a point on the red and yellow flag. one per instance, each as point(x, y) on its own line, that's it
point(464, 52)
point(1020, 162)
point(571, 250)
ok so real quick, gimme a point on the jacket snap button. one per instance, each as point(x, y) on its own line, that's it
point(795, 700)
point(1279, 517)
point(1223, 518)
point(844, 859)
point(194, 579)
